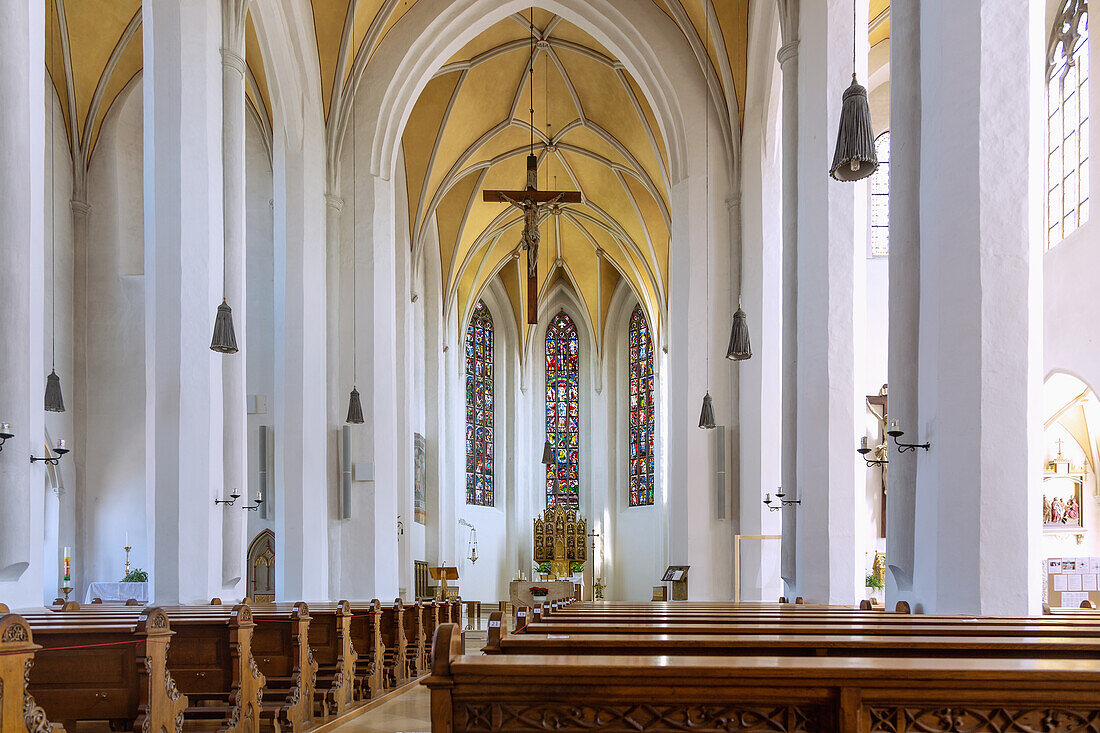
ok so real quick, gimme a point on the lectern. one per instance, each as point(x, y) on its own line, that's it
point(443, 574)
point(678, 576)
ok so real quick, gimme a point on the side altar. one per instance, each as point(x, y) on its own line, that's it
point(519, 592)
point(559, 536)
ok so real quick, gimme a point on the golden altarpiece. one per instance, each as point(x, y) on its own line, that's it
point(560, 538)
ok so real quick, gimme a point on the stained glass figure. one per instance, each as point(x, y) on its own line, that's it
point(563, 409)
point(479, 407)
point(641, 411)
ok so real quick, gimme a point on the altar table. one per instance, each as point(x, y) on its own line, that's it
point(117, 592)
point(558, 590)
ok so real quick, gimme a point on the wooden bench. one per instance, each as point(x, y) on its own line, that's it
point(280, 644)
point(331, 643)
point(392, 633)
point(100, 668)
point(366, 637)
point(19, 712)
point(571, 694)
point(415, 644)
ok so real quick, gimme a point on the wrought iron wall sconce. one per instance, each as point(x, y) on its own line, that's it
point(232, 498)
point(5, 433)
point(864, 449)
point(896, 432)
point(256, 506)
point(776, 506)
point(53, 460)
point(400, 527)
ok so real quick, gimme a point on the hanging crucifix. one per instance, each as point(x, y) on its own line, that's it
point(532, 202)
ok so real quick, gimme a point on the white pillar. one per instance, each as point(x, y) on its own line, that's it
point(830, 283)
point(183, 237)
point(904, 296)
point(302, 493)
point(978, 518)
point(234, 409)
point(788, 62)
point(22, 379)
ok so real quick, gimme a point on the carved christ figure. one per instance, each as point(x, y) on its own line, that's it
point(529, 240)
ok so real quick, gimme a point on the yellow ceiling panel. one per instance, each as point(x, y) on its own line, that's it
point(418, 138)
point(651, 120)
point(94, 30)
point(365, 15)
point(586, 138)
point(609, 280)
point(329, 17)
point(128, 66)
point(569, 32)
point(55, 62)
point(878, 21)
point(255, 62)
point(450, 216)
point(580, 257)
point(509, 276)
point(654, 222)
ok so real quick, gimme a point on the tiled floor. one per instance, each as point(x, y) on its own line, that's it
point(410, 711)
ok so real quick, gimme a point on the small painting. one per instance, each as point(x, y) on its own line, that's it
point(1062, 503)
point(420, 473)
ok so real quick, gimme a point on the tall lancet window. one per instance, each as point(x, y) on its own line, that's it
point(563, 409)
point(1068, 122)
point(641, 411)
point(880, 198)
point(479, 407)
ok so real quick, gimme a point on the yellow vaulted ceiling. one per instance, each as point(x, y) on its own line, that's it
point(593, 132)
point(94, 49)
point(878, 21)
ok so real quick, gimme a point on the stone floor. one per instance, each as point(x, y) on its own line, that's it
point(410, 710)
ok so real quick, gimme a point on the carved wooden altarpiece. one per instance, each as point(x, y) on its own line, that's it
point(560, 538)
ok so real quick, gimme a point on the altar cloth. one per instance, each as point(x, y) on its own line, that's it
point(117, 592)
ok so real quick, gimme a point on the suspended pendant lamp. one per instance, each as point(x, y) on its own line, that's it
point(706, 415)
point(355, 405)
point(547, 453)
point(52, 400)
point(225, 340)
point(739, 348)
point(855, 157)
point(355, 408)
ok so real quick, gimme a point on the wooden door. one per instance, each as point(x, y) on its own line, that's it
point(261, 568)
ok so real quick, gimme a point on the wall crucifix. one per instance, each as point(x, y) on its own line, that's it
point(532, 202)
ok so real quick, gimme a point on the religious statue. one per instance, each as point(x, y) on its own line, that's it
point(529, 240)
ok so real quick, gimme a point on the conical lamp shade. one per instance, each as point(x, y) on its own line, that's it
point(54, 401)
point(706, 416)
point(355, 408)
point(547, 453)
point(855, 156)
point(224, 341)
point(739, 348)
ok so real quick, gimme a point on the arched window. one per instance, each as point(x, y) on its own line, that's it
point(1068, 122)
point(479, 407)
point(563, 409)
point(641, 411)
point(880, 198)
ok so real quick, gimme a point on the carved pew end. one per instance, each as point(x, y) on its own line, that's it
point(903, 607)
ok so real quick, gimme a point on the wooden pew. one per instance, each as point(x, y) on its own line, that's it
point(19, 712)
point(280, 644)
point(392, 633)
point(431, 621)
point(119, 674)
point(366, 637)
point(571, 694)
point(331, 642)
point(413, 621)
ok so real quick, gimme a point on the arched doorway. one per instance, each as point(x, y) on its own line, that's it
point(261, 567)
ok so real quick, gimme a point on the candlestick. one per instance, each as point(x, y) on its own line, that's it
point(127, 548)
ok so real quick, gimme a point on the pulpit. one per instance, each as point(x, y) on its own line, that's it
point(443, 574)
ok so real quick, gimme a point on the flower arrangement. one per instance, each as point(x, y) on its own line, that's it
point(538, 590)
point(137, 575)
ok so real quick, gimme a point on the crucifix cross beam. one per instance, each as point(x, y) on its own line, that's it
point(531, 202)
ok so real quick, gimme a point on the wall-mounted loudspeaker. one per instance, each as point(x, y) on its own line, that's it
point(345, 472)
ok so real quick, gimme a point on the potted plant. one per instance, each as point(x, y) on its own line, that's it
point(137, 575)
point(544, 570)
point(537, 592)
point(874, 584)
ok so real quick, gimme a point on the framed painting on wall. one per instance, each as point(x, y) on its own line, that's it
point(419, 476)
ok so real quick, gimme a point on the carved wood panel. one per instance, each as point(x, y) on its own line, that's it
point(983, 720)
point(493, 717)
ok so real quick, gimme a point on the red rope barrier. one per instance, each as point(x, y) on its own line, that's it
point(78, 646)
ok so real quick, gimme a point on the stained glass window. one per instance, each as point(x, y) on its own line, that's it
point(1068, 123)
point(479, 407)
point(880, 198)
point(563, 409)
point(641, 411)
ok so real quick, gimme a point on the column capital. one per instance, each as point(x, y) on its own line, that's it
point(80, 207)
point(733, 202)
point(233, 60)
point(787, 52)
point(334, 202)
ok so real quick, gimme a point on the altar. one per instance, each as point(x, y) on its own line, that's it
point(519, 591)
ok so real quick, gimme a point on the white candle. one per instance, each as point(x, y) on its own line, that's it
point(68, 554)
point(61, 443)
point(863, 442)
point(895, 424)
point(127, 540)
point(259, 497)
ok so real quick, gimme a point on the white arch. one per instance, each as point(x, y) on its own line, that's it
point(643, 38)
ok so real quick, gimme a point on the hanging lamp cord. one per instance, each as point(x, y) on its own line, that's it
point(354, 247)
point(706, 145)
